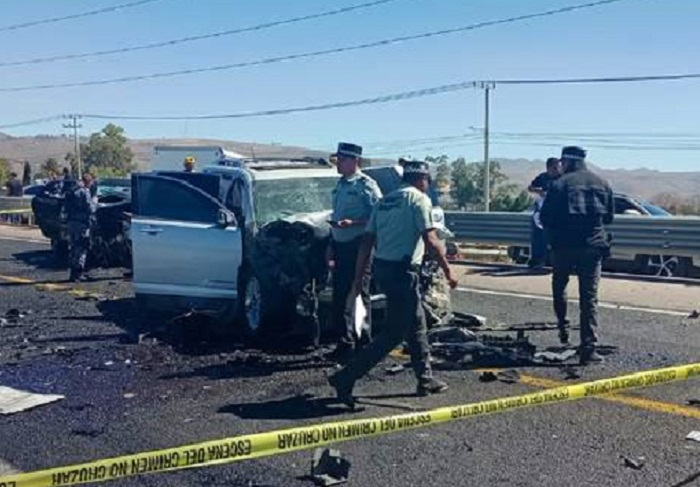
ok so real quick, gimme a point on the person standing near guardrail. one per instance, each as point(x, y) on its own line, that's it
point(401, 226)
point(354, 198)
point(539, 186)
point(574, 213)
point(80, 213)
point(14, 186)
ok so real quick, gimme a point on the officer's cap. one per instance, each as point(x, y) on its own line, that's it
point(418, 168)
point(573, 153)
point(346, 149)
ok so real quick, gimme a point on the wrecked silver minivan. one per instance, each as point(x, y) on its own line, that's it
point(246, 242)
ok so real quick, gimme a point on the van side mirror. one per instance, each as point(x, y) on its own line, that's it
point(225, 219)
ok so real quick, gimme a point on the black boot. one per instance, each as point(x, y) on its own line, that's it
point(590, 356)
point(343, 391)
point(430, 386)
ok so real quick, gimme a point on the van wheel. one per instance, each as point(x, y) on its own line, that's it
point(250, 305)
point(664, 265)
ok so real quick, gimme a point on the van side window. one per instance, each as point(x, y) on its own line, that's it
point(172, 200)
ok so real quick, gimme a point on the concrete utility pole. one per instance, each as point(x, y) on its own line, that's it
point(487, 86)
point(76, 141)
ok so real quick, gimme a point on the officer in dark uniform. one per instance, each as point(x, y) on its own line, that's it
point(574, 213)
point(354, 198)
point(401, 226)
point(80, 211)
point(539, 186)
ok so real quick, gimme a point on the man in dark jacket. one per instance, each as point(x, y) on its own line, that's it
point(575, 212)
point(80, 213)
point(14, 186)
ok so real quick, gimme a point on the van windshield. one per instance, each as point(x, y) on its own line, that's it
point(279, 198)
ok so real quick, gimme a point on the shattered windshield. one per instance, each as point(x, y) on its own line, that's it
point(278, 198)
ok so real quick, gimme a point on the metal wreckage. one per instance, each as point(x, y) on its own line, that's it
point(109, 242)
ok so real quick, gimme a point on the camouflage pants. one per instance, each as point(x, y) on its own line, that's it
point(79, 234)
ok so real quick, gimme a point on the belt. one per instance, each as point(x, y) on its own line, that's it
point(403, 265)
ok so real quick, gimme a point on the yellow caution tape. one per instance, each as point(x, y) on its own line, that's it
point(258, 445)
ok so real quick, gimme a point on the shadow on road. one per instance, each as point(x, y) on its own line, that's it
point(304, 406)
point(41, 259)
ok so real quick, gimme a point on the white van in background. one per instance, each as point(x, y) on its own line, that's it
point(172, 157)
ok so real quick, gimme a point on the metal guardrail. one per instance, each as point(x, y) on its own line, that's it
point(16, 211)
point(678, 236)
point(8, 203)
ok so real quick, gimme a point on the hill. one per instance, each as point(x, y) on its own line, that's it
point(642, 183)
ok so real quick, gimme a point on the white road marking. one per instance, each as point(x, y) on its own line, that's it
point(30, 240)
point(539, 297)
point(6, 468)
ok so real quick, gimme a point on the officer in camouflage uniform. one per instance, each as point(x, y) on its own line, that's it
point(354, 197)
point(577, 208)
point(80, 212)
point(401, 226)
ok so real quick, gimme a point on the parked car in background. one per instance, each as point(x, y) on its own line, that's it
point(33, 190)
point(659, 265)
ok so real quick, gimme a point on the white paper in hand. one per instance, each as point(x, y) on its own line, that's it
point(360, 315)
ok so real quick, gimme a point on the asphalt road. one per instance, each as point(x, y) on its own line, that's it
point(124, 397)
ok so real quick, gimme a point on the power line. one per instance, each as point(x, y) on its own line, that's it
point(183, 40)
point(620, 79)
point(406, 95)
point(312, 54)
point(35, 121)
point(90, 13)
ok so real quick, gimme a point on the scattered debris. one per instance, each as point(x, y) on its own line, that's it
point(328, 467)
point(694, 402)
point(14, 401)
point(694, 315)
point(693, 436)
point(395, 369)
point(451, 334)
point(468, 320)
point(90, 433)
point(570, 372)
point(636, 464)
point(555, 357)
point(510, 376)
point(129, 395)
point(109, 363)
point(488, 377)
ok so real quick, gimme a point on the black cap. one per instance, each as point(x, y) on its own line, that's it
point(573, 152)
point(346, 149)
point(420, 168)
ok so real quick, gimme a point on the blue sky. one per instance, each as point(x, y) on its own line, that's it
point(632, 37)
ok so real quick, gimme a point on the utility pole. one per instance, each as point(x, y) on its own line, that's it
point(76, 141)
point(487, 86)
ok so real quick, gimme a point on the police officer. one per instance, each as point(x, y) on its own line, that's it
point(354, 197)
point(401, 226)
point(577, 208)
point(189, 163)
point(539, 186)
point(80, 211)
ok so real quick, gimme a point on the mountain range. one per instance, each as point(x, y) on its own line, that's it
point(642, 183)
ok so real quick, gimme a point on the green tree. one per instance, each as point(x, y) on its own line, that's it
point(5, 171)
point(27, 174)
point(463, 188)
point(108, 149)
point(49, 167)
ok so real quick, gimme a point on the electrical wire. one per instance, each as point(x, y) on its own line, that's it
point(183, 40)
point(35, 121)
point(406, 95)
point(312, 54)
point(90, 13)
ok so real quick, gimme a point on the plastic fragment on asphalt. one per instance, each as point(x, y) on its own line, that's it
point(15, 401)
point(510, 376)
point(555, 357)
point(328, 467)
point(694, 315)
point(694, 402)
point(636, 464)
point(693, 436)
